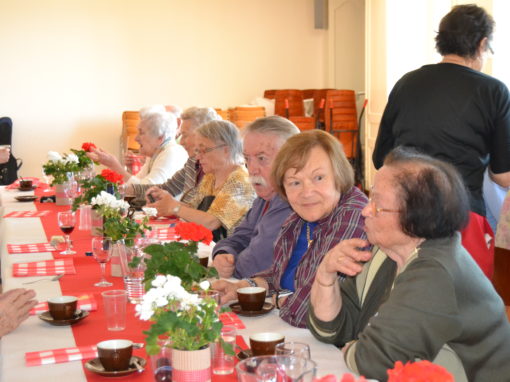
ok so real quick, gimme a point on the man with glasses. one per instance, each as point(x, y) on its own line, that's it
point(455, 113)
point(250, 248)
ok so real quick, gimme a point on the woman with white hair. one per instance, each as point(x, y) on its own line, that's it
point(225, 193)
point(156, 136)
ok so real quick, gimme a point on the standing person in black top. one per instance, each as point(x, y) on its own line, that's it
point(453, 112)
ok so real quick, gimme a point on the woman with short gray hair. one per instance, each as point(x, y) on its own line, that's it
point(225, 193)
point(156, 136)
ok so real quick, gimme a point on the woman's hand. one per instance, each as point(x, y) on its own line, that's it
point(228, 290)
point(106, 159)
point(163, 201)
point(346, 257)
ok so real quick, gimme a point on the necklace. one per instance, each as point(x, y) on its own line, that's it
point(309, 238)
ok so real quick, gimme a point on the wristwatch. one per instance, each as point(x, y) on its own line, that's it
point(176, 209)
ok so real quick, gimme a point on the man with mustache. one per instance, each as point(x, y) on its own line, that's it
point(250, 248)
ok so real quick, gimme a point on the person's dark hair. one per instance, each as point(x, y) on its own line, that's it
point(433, 199)
point(462, 29)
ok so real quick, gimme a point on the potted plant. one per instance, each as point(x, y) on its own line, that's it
point(189, 321)
point(117, 225)
point(179, 258)
point(60, 166)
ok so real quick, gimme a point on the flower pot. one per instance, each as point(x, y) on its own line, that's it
point(191, 365)
point(118, 250)
point(60, 196)
point(96, 228)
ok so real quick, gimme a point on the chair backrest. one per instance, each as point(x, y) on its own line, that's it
point(130, 120)
point(341, 118)
point(269, 93)
point(308, 93)
point(289, 103)
point(224, 114)
point(242, 115)
point(319, 103)
point(303, 123)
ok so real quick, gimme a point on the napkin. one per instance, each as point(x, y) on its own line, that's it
point(44, 268)
point(26, 214)
point(35, 182)
point(48, 357)
point(30, 248)
point(85, 302)
point(163, 220)
point(166, 234)
point(232, 319)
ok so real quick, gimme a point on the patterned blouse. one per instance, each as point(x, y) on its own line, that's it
point(231, 202)
point(345, 222)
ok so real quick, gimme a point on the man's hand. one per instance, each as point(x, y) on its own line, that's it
point(224, 264)
point(228, 290)
point(15, 306)
point(163, 201)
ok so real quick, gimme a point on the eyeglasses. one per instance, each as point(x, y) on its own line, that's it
point(208, 150)
point(374, 210)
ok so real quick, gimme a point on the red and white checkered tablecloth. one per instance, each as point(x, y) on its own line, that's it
point(44, 268)
point(48, 357)
point(166, 234)
point(232, 319)
point(86, 302)
point(30, 248)
point(26, 214)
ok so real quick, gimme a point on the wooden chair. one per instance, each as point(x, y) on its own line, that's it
point(243, 115)
point(224, 114)
point(319, 103)
point(303, 123)
point(341, 118)
point(308, 93)
point(289, 103)
point(269, 93)
point(130, 120)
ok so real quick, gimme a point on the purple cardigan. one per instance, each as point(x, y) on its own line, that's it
point(252, 242)
point(345, 222)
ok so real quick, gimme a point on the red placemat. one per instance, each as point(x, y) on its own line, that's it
point(30, 248)
point(93, 329)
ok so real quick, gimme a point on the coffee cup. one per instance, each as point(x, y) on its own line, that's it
point(251, 298)
point(25, 185)
point(115, 355)
point(63, 307)
point(265, 343)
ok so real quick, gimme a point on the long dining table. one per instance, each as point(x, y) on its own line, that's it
point(36, 335)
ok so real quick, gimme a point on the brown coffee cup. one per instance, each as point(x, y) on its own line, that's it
point(115, 355)
point(204, 261)
point(25, 185)
point(63, 307)
point(265, 343)
point(251, 298)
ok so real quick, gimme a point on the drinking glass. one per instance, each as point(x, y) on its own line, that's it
point(66, 222)
point(296, 349)
point(102, 250)
point(71, 186)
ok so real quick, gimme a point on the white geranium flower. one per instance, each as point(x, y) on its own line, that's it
point(159, 281)
point(71, 158)
point(204, 285)
point(53, 156)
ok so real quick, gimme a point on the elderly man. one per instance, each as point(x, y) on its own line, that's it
point(250, 248)
point(183, 184)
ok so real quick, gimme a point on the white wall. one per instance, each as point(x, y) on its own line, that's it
point(70, 67)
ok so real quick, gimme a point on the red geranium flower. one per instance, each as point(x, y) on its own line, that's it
point(112, 176)
point(421, 371)
point(194, 232)
point(87, 146)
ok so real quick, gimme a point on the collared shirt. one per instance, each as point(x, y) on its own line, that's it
point(252, 242)
point(344, 222)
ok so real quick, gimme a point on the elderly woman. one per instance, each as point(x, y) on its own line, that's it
point(225, 193)
point(156, 136)
point(312, 173)
point(419, 295)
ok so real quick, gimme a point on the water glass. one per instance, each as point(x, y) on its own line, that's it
point(223, 363)
point(296, 349)
point(276, 368)
point(115, 302)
